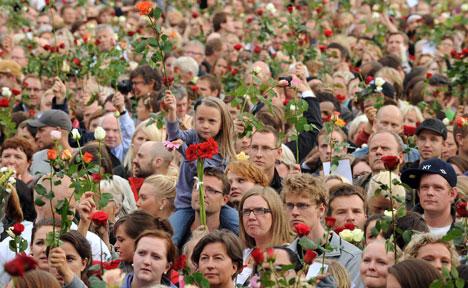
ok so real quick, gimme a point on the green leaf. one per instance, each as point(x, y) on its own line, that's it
point(23, 245)
point(39, 202)
point(40, 189)
point(105, 198)
point(12, 245)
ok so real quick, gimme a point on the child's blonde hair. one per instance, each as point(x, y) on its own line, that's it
point(225, 136)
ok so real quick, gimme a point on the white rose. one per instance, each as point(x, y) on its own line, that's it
point(271, 8)
point(99, 134)
point(347, 235)
point(55, 134)
point(6, 92)
point(388, 213)
point(379, 81)
point(358, 235)
point(3, 169)
point(65, 67)
point(292, 108)
point(445, 15)
point(378, 89)
point(257, 70)
point(75, 134)
point(446, 121)
point(376, 15)
point(464, 7)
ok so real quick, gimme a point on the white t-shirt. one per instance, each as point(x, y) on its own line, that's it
point(439, 231)
point(6, 254)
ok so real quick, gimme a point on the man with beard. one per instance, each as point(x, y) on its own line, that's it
point(152, 159)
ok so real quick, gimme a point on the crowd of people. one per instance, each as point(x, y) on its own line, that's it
point(341, 130)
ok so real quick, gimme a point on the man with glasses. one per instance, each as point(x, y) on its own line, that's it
point(196, 50)
point(305, 198)
point(217, 189)
point(32, 87)
point(265, 149)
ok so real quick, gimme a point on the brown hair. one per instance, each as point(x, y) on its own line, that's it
point(280, 227)
point(213, 81)
point(341, 190)
point(218, 174)
point(230, 241)
point(134, 222)
point(272, 116)
point(305, 184)
point(249, 171)
point(171, 249)
point(414, 273)
point(269, 130)
point(36, 279)
point(21, 144)
point(218, 19)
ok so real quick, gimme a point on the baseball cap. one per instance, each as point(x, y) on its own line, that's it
point(434, 125)
point(11, 67)
point(53, 118)
point(412, 176)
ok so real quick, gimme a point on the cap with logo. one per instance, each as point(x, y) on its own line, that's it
point(434, 125)
point(412, 176)
point(53, 118)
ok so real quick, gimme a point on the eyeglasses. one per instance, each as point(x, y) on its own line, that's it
point(263, 149)
point(212, 191)
point(300, 206)
point(256, 211)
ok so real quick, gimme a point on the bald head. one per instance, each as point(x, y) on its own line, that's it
point(151, 159)
point(110, 124)
point(389, 118)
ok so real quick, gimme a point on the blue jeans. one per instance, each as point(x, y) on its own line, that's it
point(182, 219)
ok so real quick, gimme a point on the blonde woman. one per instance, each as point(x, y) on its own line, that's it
point(157, 196)
point(378, 203)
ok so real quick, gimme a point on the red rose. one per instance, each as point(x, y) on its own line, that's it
point(428, 75)
point(349, 226)
point(290, 8)
point(270, 254)
point(339, 229)
point(249, 20)
point(390, 162)
point(76, 61)
point(96, 177)
point(194, 88)
point(180, 263)
point(454, 53)
point(99, 218)
point(18, 228)
point(330, 221)
point(356, 69)
point(298, 7)
point(195, 14)
point(369, 79)
point(168, 80)
point(302, 229)
point(51, 154)
point(322, 48)
point(461, 209)
point(234, 71)
point(257, 49)
point(207, 149)
point(319, 10)
point(326, 118)
point(465, 51)
point(191, 153)
point(310, 256)
point(131, 33)
point(15, 91)
point(259, 12)
point(4, 102)
point(46, 47)
point(461, 121)
point(257, 255)
point(328, 32)
point(20, 264)
point(61, 45)
point(47, 2)
point(341, 98)
point(237, 46)
point(409, 130)
point(87, 157)
point(107, 265)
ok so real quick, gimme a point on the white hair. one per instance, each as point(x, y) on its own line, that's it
point(186, 64)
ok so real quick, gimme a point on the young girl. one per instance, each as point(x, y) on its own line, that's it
point(212, 120)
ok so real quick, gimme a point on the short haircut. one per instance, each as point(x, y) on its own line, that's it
point(269, 130)
point(218, 19)
point(231, 243)
point(148, 74)
point(423, 239)
point(212, 46)
point(343, 50)
point(405, 37)
point(186, 64)
point(307, 185)
point(392, 61)
point(326, 96)
point(21, 144)
point(273, 117)
point(337, 129)
point(397, 138)
point(219, 174)
point(248, 170)
point(214, 83)
point(411, 222)
point(163, 235)
point(196, 43)
point(345, 190)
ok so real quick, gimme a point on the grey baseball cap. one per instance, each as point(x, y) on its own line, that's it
point(53, 118)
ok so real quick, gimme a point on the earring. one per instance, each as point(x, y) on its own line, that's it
point(161, 208)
